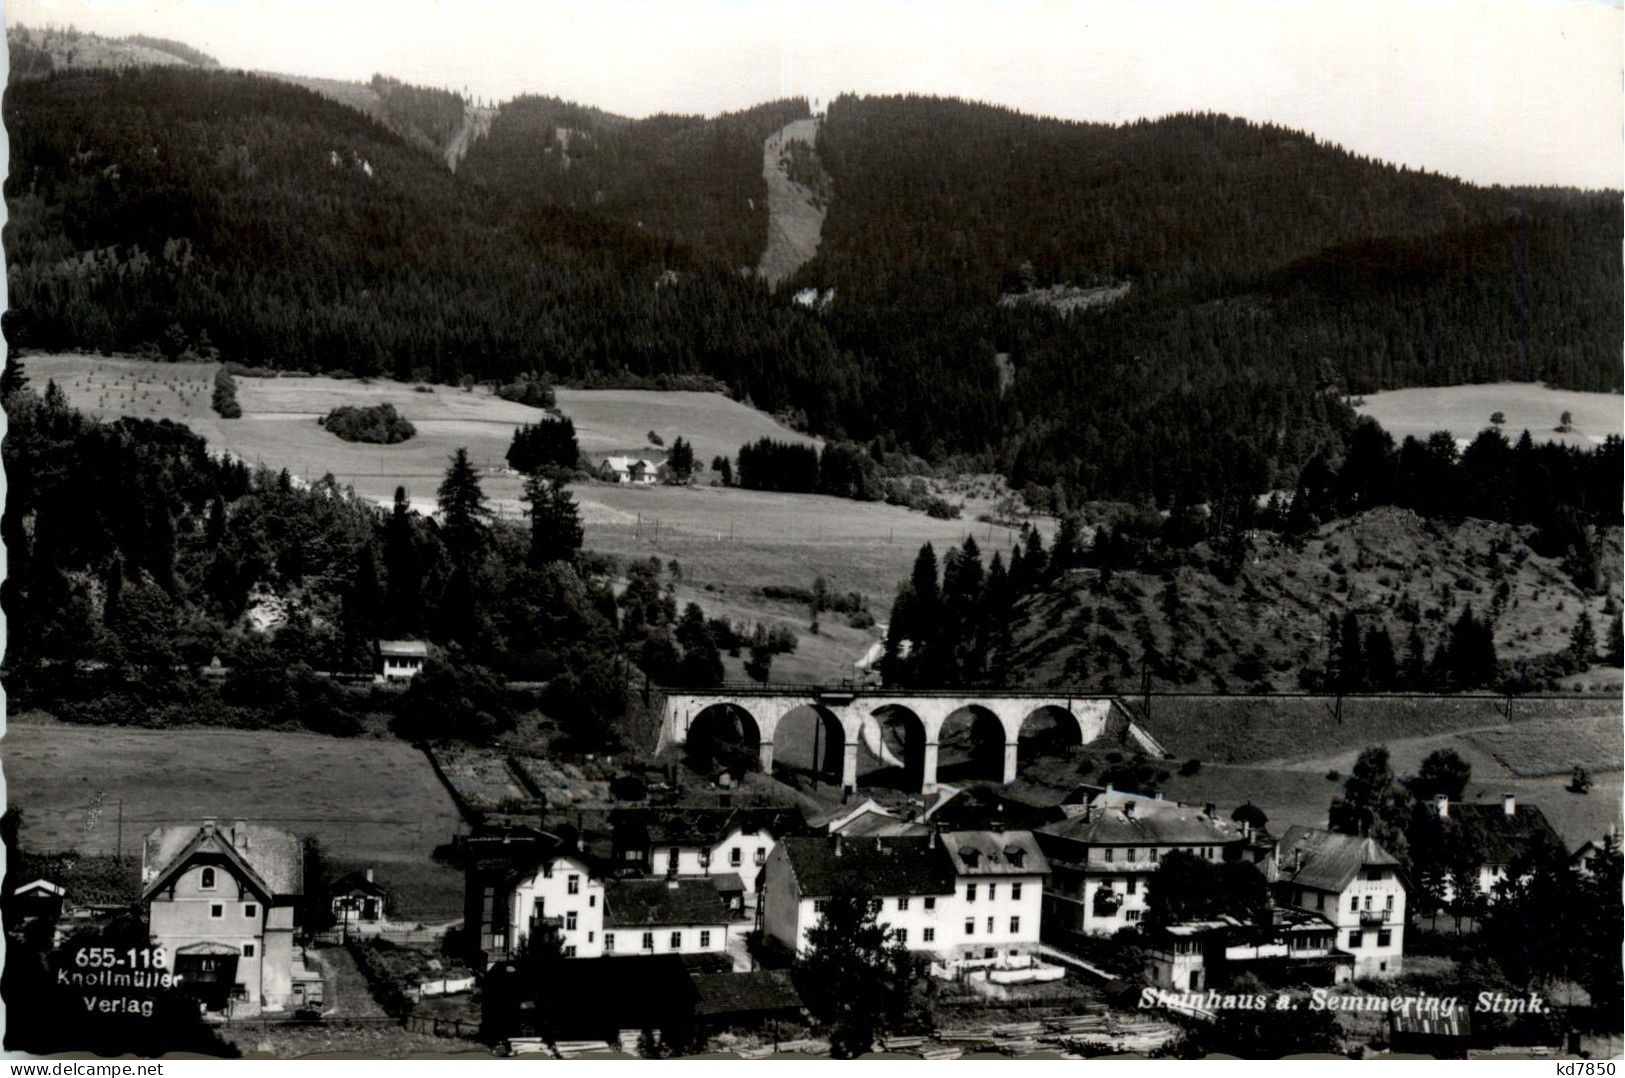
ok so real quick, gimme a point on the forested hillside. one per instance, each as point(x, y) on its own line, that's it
point(690, 178)
point(1262, 275)
point(300, 234)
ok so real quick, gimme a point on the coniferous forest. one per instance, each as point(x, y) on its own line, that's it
point(1257, 275)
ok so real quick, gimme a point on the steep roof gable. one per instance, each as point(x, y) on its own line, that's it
point(267, 860)
point(1326, 860)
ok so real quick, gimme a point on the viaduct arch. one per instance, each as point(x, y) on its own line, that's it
point(679, 709)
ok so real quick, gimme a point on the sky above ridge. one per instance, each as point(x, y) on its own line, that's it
point(1494, 91)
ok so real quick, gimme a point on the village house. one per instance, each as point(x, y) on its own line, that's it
point(222, 902)
point(869, 818)
point(560, 895)
point(1101, 858)
point(1351, 882)
point(637, 471)
point(401, 660)
point(1493, 836)
point(698, 841)
point(1294, 948)
point(675, 916)
point(967, 900)
point(358, 904)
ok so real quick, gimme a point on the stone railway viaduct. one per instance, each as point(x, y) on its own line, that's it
point(925, 711)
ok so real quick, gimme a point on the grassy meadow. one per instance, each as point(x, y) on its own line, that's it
point(369, 802)
point(729, 542)
point(1466, 410)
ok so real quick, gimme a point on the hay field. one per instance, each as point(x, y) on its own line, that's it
point(1466, 410)
point(369, 803)
point(729, 541)
point(1298, 791)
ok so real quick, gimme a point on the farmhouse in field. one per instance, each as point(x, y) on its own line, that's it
point(638, 471)
point(221, 900)
point(400, 660)
point(1494, 835)
point(1351, 882)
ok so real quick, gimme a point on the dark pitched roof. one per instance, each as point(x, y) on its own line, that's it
point(728, 882)
point(693, 826)
point(905, 865)
point(995, 853)
point(355, 881)
point(1144, 822)
point(1328, 860)
point(657, 903)
point(761, 991)
point(268, 859)
point(1495, 837)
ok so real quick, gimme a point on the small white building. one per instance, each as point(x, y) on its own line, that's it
point(560, 895)
point(401, 660)
point(676, 916)
point(1351, 882)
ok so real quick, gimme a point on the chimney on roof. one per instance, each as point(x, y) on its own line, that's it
point(839, 844)
point(1128, 810)
point(1441, 805)
point(931, 841)
point(1246, 828)
point(239, 834)
point(1211, 809)
point(208, 825)
point(1297, 859)
point(1157, 796)
point(1109, 790)
point(1509, 805)
point(369, 875)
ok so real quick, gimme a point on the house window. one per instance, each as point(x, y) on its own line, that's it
point(970, 892)
point(1106, 854)
point(902, 903)
point(1390, 904)
point(1015, 891)
point(609, 942)
point(1368, 901)
point(992, 892)
point(676, 941)
point(818, 905)
point(250, 910)
point(648, 941)
point(736, 857)
point(761, 855)
point(1015, 924)
point(570, 951)
point(1128, 855)
point(570, 921)
point(1320, 901)
point(590, 935)
point(989, 952)
point(970, 926)
point(705, 938)
point(1384, 937)
point(930, 902)
point(1354, 938)
point(1131, 915)
point(1354, 903)
point(929, 934)
point(1133, 884)
point(592, 901)
point(207, 880)
point(547, 872)
point(902, 935)
point(1373, 874)
point(573, 885)
point(248, 950)
point(990, 924)
point(217, 910)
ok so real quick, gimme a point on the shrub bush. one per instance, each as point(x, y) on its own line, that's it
point(225, 395)
point(377, 423)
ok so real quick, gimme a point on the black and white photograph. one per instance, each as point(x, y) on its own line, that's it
point(813, 529)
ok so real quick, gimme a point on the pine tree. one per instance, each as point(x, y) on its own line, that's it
point(1616, 641)
point(464, 507)
point(555, 521)
point(14, 379)
point(402, 565)
point(1582, 642)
